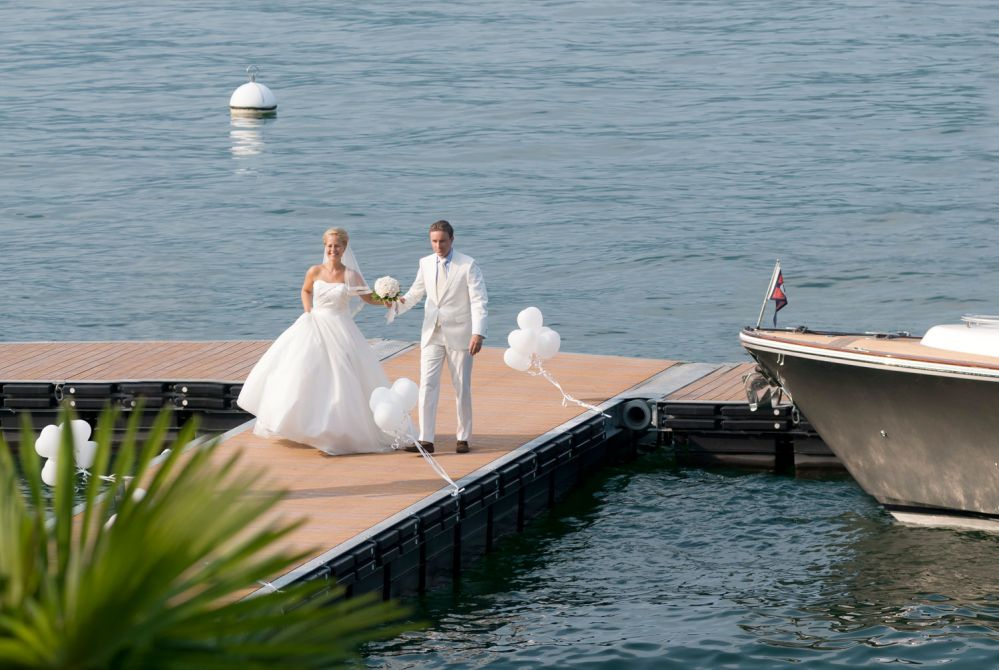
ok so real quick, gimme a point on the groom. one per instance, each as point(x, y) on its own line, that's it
point(454, 326)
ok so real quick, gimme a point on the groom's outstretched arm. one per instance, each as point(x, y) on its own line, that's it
point(414, 294)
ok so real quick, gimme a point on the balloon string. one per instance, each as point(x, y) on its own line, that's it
point(455, 489)
point(408, 436)
point(85, 473)
point(537, 369)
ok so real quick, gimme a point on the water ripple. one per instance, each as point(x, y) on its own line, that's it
point(633, 169)
point(663, 150)
point(657, 567)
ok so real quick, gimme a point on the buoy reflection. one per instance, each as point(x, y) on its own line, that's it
point(247, 135)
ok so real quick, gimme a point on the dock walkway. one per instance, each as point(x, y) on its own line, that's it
point(344, 499)
point(385, 521)
point(348, 499)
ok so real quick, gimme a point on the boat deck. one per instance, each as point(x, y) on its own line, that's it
point(886, 346)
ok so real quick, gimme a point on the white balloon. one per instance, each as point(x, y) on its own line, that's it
point(84, 454)
point(388, 416)
point(47, 444)
point(530, 318)
point(81, 431)
point(49, 472)
point(378, 396)
point(407, 392)
point(549, 342)
point(516, 360)
point(524, 342)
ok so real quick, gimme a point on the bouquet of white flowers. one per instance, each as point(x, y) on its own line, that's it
point(387, 289)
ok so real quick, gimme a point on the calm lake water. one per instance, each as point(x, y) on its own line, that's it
point(652, 567)
point(631, 168)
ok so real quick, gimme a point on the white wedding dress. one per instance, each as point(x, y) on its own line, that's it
point(313, 385)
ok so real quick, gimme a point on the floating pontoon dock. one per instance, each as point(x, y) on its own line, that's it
point(385, 522)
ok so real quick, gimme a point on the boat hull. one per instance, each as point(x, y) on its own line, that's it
point(923, 442)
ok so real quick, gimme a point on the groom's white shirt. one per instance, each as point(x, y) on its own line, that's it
point(457, 305)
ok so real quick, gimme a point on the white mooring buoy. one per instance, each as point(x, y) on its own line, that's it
point(253, 97)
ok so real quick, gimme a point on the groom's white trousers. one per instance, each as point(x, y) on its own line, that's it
point(460, 364)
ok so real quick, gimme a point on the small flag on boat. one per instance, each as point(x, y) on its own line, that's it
point(775, 292)
point(778, 295)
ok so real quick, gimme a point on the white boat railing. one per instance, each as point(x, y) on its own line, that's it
point(980, 320)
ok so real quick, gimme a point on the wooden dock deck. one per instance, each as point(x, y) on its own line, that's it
point(525, 440)
point(723, 384)
point(94, 362)
point(345, 496)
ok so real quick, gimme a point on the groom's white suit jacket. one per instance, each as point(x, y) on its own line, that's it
point(458, 304)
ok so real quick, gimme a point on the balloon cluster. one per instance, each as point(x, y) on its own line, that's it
point(391, 406)
point(532, 342)
point(531, 345)
point(47, 446)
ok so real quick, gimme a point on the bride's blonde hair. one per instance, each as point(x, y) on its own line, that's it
point(339, 233)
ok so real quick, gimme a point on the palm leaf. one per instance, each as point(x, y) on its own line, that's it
point(160, 587)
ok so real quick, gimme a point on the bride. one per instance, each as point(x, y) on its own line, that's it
point(312, 386)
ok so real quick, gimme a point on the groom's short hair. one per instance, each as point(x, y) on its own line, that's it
point(442, 226)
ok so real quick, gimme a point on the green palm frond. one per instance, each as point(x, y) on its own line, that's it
point(159, 587)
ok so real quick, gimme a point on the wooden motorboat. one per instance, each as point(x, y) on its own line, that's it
point(914, 420)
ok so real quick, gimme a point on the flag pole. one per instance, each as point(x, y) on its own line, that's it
point(770, 290)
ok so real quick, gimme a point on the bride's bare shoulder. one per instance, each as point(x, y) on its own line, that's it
point(312, 274)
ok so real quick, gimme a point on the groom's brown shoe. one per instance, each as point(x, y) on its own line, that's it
point(427, 446)
point(462, 447)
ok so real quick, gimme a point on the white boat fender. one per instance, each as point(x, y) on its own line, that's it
point(253, 96)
